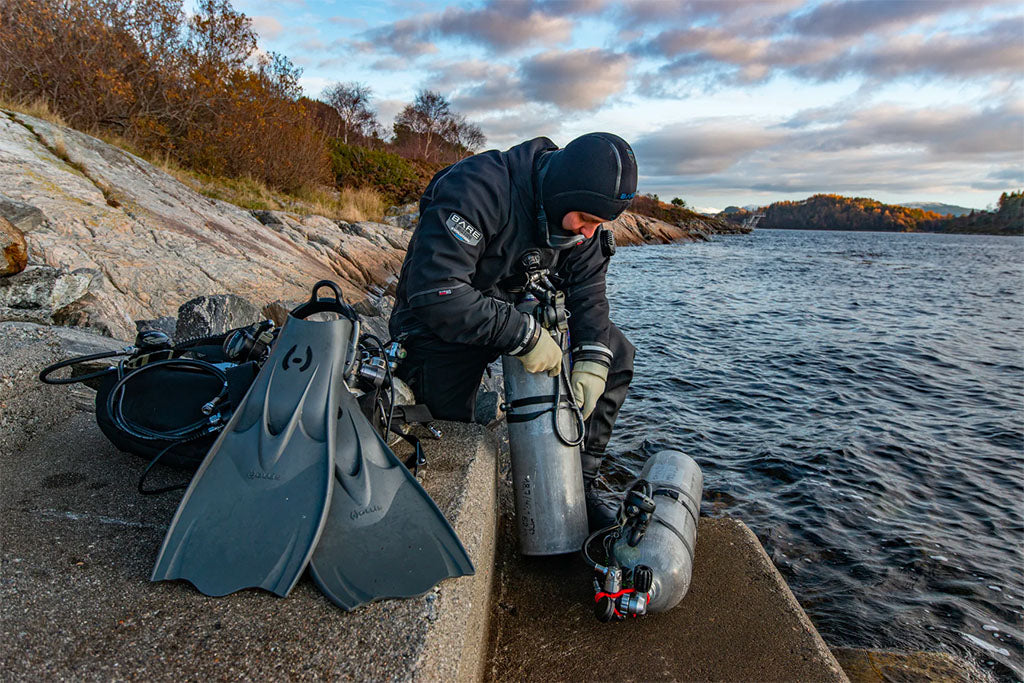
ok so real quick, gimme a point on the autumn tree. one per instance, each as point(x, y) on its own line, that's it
point(355, 116)
point(426, 117)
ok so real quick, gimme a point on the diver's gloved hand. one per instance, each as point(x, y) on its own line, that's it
point(545, 356)
point(588, 380)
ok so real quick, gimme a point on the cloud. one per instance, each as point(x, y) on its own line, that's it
point(883, 150)
point(268, 28)
point(406, 38)
point(495, 94)
point(737, 13)
point(347, 21)
point(576, 79)
point(526, 123)
point(500, 25)
point(857, 17)
point(701, 147)
point(960, 133)
point(505, 25)
point(995, 49)
point(836, 40)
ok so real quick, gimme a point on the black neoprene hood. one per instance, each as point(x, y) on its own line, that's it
point(595, 173)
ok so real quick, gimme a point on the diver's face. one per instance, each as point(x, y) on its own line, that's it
point(581, 223)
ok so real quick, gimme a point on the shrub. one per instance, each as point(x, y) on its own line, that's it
point(389, 174)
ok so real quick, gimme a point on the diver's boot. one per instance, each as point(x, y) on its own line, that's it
point(601, 511)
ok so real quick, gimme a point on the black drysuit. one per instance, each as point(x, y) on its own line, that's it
point(455, 309)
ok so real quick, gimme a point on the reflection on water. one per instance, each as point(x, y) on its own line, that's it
point(857, 399)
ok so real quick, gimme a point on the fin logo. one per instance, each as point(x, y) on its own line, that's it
point(463, 230)
point(288, 363)
point(356, 514)
point(271, 476)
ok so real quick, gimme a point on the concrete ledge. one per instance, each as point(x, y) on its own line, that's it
point(739, 621)
point(75, 601)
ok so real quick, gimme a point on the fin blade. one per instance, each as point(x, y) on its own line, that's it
point(252, 521)
point(396, 543)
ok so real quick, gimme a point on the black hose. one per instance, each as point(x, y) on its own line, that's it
point(44, 376)
point(116, 397)
point(388, 379)
point(580, 422)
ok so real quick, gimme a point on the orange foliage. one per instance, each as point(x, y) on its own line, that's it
point(192, 88)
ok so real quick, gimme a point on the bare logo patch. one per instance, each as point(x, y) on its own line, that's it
point(463, 230)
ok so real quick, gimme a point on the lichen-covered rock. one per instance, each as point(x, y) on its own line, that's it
point(14, 248)
point(54, 296)
point(405, 216)
point(206, 315)
point(633, 229)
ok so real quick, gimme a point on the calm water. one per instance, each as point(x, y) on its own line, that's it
point(857, 399)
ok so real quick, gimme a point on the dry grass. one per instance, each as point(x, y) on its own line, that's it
point(348, 204)
point(39, 108)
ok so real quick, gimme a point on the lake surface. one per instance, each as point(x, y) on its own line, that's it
point(858, 400)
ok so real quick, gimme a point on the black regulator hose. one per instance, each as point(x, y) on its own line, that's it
point(581, 425)
point(116, 397)
point(45, 378)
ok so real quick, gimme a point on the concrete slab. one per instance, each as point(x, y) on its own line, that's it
point(75, 601)
point(739, 621)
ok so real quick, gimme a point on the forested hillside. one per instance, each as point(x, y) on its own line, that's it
point(835, 212)
point(1007, 219)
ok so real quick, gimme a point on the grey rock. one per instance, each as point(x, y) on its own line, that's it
point(206, 315)
point(402, 209)
point(490, 395)
point(405, 216)
point(268, 217)
point(23, 216)
point(48, 295)
point(80, 342)
point(166, 324)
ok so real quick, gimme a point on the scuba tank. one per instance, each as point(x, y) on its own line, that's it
point(648, 552)
point(545, 432)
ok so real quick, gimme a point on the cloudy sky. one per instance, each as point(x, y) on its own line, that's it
point(724, 101)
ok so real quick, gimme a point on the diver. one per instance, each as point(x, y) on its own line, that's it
point(484, 222)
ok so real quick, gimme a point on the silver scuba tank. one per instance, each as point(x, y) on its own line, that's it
point(545, 431)
point(652, 544)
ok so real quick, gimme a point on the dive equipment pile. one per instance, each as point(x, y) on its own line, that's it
point(545, 432)
point(298, 476)
point(648, 552)
point(165, 402)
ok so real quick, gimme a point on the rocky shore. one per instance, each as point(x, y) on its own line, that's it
point(96, 237)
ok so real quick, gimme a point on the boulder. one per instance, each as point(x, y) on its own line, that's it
point(166, 324)
point(23, 216)
point(405, 217)
point(208, 315)
point(14, 248)
point(54, 296)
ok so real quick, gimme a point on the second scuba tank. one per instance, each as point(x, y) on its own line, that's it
point(650, 549)
point(545, 431)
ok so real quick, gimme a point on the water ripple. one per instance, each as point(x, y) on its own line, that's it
point(857, 399)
